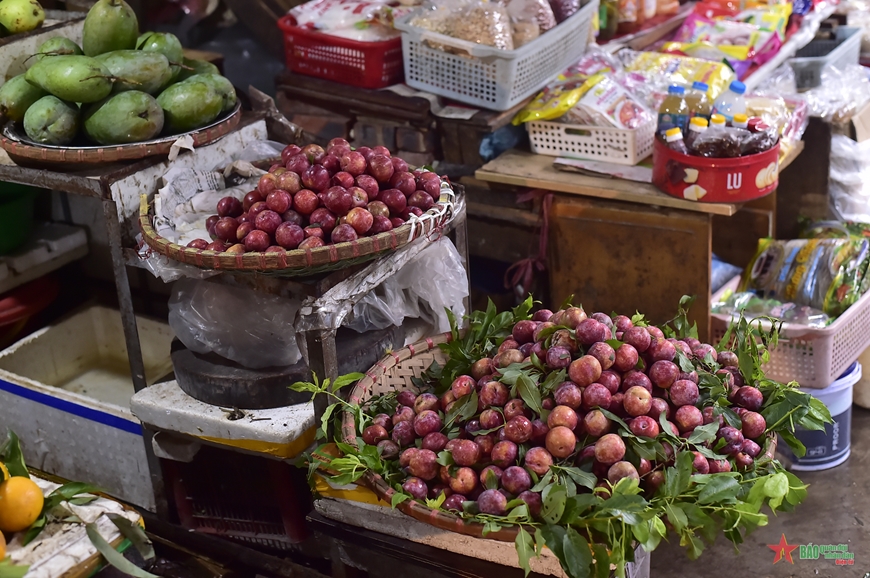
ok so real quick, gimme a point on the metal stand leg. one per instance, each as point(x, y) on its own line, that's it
point(134, 350)
point(323, 360)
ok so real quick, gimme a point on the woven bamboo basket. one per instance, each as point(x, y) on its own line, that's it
point(302, 262)
point(26, 152)
point(394, 373)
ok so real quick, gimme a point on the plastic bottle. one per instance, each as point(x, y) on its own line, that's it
point(674, 111)
point(699, 104)
point(740, 120)
point(717, 120)
point(674, 140)
point(608, 19)
point(697, 127)
point(630, 16)
point(649, 9)
point(667, 7)
point(731, 101)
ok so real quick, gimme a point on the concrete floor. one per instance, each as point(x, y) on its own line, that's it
point(837, 511)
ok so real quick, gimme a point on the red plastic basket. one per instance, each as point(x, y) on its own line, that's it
point(362, 64)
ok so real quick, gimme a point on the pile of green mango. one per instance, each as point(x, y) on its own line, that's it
point(118, 87)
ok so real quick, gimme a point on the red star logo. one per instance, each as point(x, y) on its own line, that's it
point(782, 550)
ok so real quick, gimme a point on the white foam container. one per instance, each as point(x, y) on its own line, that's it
point(832, 447)
point(66, 389)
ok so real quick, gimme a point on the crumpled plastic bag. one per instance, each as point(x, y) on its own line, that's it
point(849, 179)
point(253, 329)
point(842, 93)
point(434, 280)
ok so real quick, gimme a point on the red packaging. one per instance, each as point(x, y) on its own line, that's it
point(710, 180)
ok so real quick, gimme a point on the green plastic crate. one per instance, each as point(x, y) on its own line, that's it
point(16, 215)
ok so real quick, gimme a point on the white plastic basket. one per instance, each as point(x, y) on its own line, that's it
point(815, 56)
point(815, 358)
point(613, 145)
point(488, 77)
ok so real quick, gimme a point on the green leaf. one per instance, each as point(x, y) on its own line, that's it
point(519, 512)
point(795, 445)
point(523, 311)
point(112, 556)
point(580, 477)
point(398, 498)
point(344, 380)
point(135, 534)
point(720, 489)
point(73, 489)
point(676, 516)
point(553, 497)
point(490, 481)
point(305, 386)
point(776, 488)
point(602, 561)
point(544, 481)
point(525, 549)
point(554, 537)
point(10, 570)
point(692, 544)
point(12, 456)
point(34, 530)
point(327, 414)
point(83, 501)
point(578, 556)
point(463, 409)
point(705, 433)
point(647, 533)
point(528, 390)
point(677, 478)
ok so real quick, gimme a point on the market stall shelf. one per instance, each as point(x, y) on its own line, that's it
point(52, 246)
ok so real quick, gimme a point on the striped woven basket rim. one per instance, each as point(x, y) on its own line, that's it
point(364, 389)
point(301, 261)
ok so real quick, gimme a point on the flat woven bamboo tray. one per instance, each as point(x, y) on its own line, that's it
point(26, 152)
point(299, 262)
point(394, 373)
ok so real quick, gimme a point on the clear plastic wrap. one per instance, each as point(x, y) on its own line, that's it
point(537, 11)
point(751, 306)
point(606, 103)
point(434, 280)
point(484, 23)
point(849, 179)
point(362, 20)
point(716, 142)
point(253, 329)
point(842, 93)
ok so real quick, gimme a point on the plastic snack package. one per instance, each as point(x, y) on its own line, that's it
point(537, 11)
point(669, 69)
point(484, 23)
point(826, 274)
point(327, 15)
point(560, 95)
point(606, 103)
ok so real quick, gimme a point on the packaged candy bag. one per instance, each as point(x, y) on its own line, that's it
point(484, 23)
point(605, 103)
point(663, 70)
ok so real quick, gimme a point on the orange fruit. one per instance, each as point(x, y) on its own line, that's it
point(4, 471)
point(2, 546)
point(20, 504)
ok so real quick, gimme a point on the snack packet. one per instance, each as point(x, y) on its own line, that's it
point(605, 103)
point(826, 274)
point(667, 69)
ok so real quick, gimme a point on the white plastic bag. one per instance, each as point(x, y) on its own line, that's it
point(251, 328)
point(431, 282)
point(849, 179)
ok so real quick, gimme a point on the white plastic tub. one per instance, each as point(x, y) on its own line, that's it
point(831, 447)
point(66, 389)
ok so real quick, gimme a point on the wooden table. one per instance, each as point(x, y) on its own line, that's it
point(619, 245)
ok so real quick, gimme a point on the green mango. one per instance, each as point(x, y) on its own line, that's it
point(57, 46)
point(110, 25)
point(16, 96)
point(193, 66)
point(189, 105)
point(18, 16)
point(52, 121)
point(71, 77)
point(126, 117)
point(166, 44)
point(221, 85)
point(137, 70)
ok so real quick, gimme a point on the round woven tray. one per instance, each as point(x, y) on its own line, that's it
point(299, 262)
point(26, 152)
point(394, 373)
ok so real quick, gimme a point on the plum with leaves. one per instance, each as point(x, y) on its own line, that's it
point(388, 449)
point(424, 464)
point(403, 433)
point(753, 424)
point(558, 357)
point(492, 502)
point(562, 415)
point(684, 392)
point(504, 454)
point(516, 480)
point(749, 397)
point(518, 429)
point(416, 488)
point(609, 449)
point(584, 371)
point(596, 396)
point(596, 423)
point(426, 401)
point(462, 386)
point(374, 434)
point(435, 441)
point(466, 453)
point(727, 359)
point(404, 413)
point(538, 460)
point(463, 480)
point(560, 441)
point(454, 502)
point(688, 417)
point(491, 476)
point(621, 470)
point(514, 408)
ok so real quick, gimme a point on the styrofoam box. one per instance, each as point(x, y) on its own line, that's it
point(66, 389)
